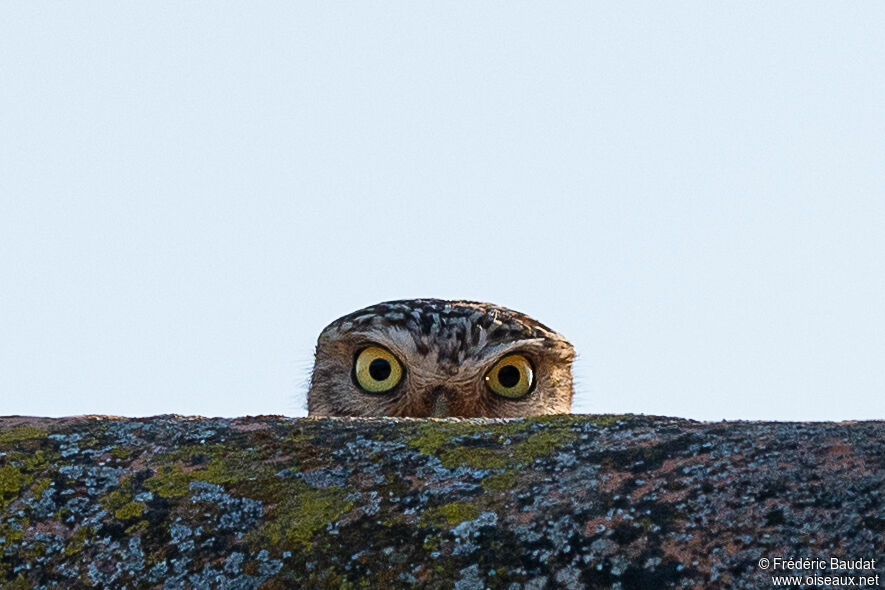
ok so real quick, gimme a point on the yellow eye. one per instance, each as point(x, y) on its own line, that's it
point(377, 370)
point(511, 377)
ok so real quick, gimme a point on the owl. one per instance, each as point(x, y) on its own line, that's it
point(436, 358)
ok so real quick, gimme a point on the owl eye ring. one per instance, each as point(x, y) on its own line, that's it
point(376, 370)
point(511, 377)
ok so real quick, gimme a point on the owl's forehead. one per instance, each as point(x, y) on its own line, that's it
point(453, 329)
point(437, 317)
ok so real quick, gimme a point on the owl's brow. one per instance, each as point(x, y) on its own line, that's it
point(399, 339)
point(506, 347)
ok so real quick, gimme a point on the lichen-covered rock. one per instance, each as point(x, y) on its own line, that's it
point(552, 502)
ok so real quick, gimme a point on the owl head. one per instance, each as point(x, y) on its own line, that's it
point(429, 357)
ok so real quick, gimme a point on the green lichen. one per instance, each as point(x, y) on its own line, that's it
point(500, 482)
point(130, 510)
point(478, 458)
point(169, 481)
point(78, 540)
point(89, 441)
point(121, 503)
point(40, 486)
point(437, 439)
point(221, 464)
point(12, 480)
point(12, 532)
point(120, 453)
point(542, 443)
point(20, 433)
point(451, 513)
point(434, 435)
point(301, 512)
point(218, 471)
point(299, 438)
point(430, 440)
point(606, 419)
point(138, 527)
point(19, 583)
point(118, 498)
point(33, 462)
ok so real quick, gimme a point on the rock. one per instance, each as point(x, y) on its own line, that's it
point(549, 502)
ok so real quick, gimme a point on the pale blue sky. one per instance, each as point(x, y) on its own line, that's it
point(692, 192)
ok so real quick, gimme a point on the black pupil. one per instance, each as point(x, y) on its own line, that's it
point(379, 369)
point(508, 375)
